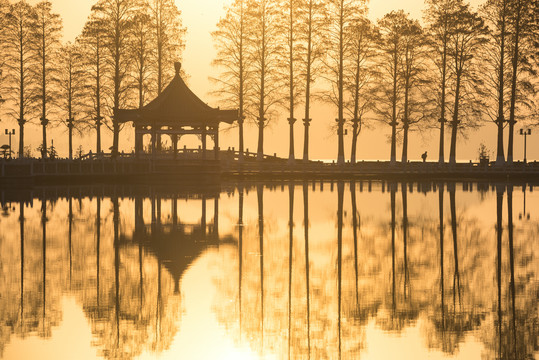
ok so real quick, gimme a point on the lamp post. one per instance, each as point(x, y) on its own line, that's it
point(525, 132)
point(12, 132)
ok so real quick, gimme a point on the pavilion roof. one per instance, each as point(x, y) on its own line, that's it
point(177, 105)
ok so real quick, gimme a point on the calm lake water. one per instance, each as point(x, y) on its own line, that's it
point(343, 270)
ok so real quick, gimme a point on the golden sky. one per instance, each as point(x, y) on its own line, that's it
point(200, 17)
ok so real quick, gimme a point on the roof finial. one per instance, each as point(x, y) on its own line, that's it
point(178, 67)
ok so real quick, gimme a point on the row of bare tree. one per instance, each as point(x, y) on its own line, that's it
point(117, 61)
point(462, 68)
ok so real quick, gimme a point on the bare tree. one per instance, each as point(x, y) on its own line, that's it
point(168, 40)
point(413, 70)
point(524, 28)
point(92, 48)
point(4, 16)
point(21, 65)
point(290, 57)
point(359, 78)
point(341, 15)
point(465, 40)
point(72, 88)
point(168, 37)
point(264, 45)
point(439, 15)
point(47, 33)
point(496, 13)
point(141, 47)
point(116, 17)
point(391, 27)
point(232, 58)
point(311, 31)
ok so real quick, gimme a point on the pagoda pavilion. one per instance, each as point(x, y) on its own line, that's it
point(175, 112)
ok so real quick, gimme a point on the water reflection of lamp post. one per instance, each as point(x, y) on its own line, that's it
point(523, 214)
point(12, 132)
point(525, 132)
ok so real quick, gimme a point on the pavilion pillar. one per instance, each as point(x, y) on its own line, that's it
point(158, 205)
point(138, 141)
point(204, 142)
point(153, 141)
point(216, 142)
point(158, 145)
point(175, 145)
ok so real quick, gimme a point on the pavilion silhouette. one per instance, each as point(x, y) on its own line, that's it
point(176, 112)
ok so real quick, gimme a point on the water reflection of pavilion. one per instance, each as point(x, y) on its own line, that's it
point(176, 244)
point(123, 305)
point(126, 274)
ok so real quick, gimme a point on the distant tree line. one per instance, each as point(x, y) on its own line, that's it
point(117, 61)
point(460, 69)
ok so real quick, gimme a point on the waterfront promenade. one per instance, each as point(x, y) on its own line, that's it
point(191, 165)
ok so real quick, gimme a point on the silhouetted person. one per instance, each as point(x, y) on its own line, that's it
point(424, 156)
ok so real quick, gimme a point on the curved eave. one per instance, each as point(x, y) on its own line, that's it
point(149, 117)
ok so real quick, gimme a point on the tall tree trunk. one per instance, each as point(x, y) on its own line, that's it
point(70, 130)
point(115, 124)
point(291, 158)
point(455, 123)
point(21, 119)
point(340, 120)
point(393, 159)
point(291, 119)
point(516, 54)
point(261, 119)
point(500, 157)
point(405, 144)
point(241, 79)
point(98, 96)
point(21, 138)
point(307, 120)
point(356, 120)
point(355, 134)
point(260, 150)
point(406, 125)
point(441, 156)
point(70, 120)
point(44, 120)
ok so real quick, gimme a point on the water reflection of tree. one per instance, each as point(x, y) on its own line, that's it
point(280, 291)
point(436, 269)
point(124, 285)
